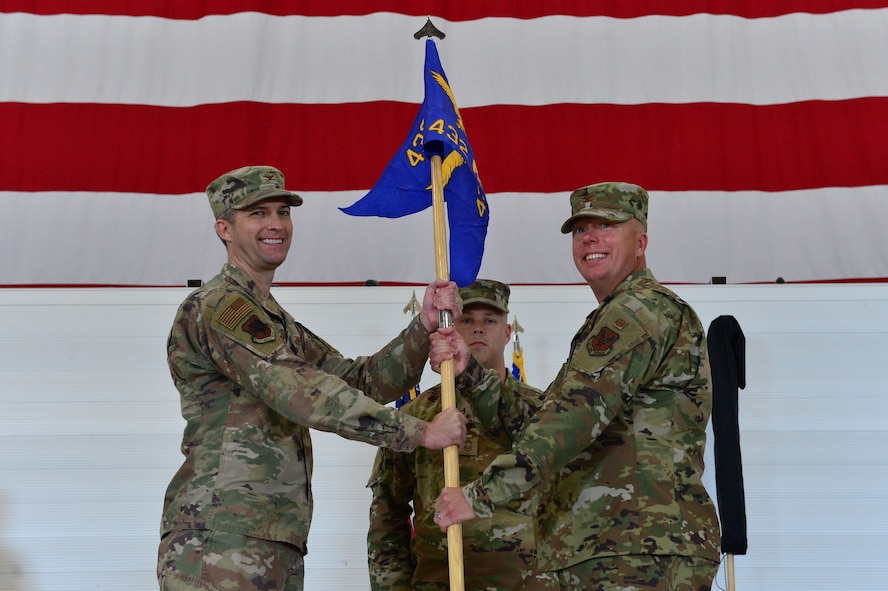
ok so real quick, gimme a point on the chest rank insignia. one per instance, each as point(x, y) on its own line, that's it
point(601, 343)
point(261, 332)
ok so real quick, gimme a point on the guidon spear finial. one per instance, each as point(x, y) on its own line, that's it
point(428, 30)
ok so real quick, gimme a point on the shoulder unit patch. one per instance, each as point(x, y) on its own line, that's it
point(601, 343)
point(256, 328)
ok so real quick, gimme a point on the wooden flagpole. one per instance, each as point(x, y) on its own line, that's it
point(448, 388)
point(729, 564)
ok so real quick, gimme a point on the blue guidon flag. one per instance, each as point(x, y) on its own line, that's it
point(405, 186)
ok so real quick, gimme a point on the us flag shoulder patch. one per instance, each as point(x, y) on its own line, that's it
point(234, 312)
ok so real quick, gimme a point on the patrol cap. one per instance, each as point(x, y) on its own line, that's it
point(246, 186)
point(617, 202)
point(488, 292)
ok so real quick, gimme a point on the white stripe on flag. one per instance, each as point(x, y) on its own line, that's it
point(294, 59)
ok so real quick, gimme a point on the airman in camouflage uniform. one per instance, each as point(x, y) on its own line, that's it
point(498, 553)
point(617, 449)
point(252, 382)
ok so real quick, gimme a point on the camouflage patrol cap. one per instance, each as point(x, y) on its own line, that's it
point(488, 292)
point(246, 186)
point(617, 202)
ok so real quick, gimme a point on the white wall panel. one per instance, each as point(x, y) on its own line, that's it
point(90, 428)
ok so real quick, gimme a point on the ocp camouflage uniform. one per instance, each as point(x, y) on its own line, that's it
point(252, 382)
point(498, 553)
point(617, 449)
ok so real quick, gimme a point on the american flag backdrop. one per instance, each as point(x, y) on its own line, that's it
point(759, 129)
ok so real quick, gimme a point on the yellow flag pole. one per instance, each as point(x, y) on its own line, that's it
point(448, 388)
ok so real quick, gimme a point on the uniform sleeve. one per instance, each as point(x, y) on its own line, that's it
point(384, 376)
point(499, 404)
point(388, 538)
point(599, 378)
point(248, 349)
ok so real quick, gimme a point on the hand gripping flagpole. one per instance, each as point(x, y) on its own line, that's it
point(448, 387)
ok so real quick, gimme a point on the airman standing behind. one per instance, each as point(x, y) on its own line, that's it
point(498, 553)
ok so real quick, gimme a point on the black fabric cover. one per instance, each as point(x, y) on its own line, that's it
point(727, 355)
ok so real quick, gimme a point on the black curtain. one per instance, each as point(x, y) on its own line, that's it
point(727, 355)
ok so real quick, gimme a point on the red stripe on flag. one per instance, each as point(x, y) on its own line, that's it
point(682, 147)
point(451, 10)
point(701, 146)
